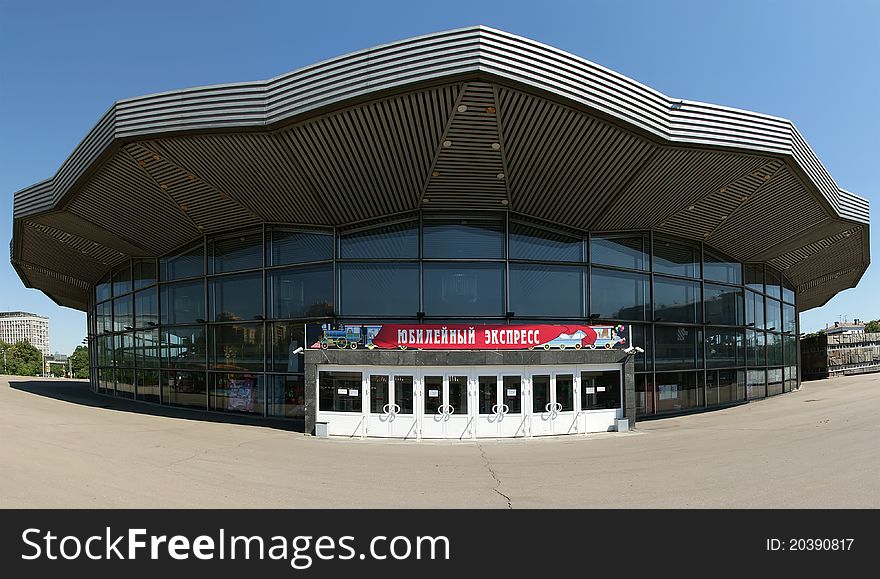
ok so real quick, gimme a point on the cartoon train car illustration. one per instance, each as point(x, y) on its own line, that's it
point(607, 337)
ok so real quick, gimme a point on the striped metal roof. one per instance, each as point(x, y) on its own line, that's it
point(473, 118)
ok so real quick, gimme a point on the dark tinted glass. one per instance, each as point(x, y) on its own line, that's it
point(378, 289)
point(183, 303)
point(288, 246)
point(302, 292)
point(719, 269)
point(678, 347)
point(125, 353)
point(464, 238)
point(618, 295)
point(755, 351)
point(773, 281)
point(677, 300)
point(286, 338)
point(547, 290)
point(527, 242)
point(241, 393)
point(511, 394)
point(125, 382)
point(104, 317)
point(121, 280)
point(146, 345)
point(754, 275)
point(643, 337)
point(679, 391)
point(600, 390)
point(787, 291)
point(676, 258)
point(236, 297)
point(630, 251)
point(724, 386)
point(184, 389)
point(397, 241)
point(723, 304)
point(464, 289)
point(540, 393)
point(774, 349)
point(144, 273)
point(235, 253)
point(754, 310)
point(146, 307)
point(123, 316)
point(236, 347)
point(774, 315)
point(403, 394)
point(286, 397)
point(339, 391)
point(105, 351)
point(102, 289)
point(380, 393)
point(188, 263)
point(646, 395)
point(725, 347)
point(148, 385)
point(184, 347)
point(790, 349)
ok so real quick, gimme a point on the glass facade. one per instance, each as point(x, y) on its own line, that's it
point(220, 324)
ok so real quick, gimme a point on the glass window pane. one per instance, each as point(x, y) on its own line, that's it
point(790, 354)
point(676, 258)
point(144, 274)
point(725, 347)
point(679, 391)
point(105, 381)
point(339, 391)
point(789, 319)
point(125, 353)
point(717, 268)
point(646, 394)
point(630, 251)
point(787, 291)
point(236, 298)
point(147, 349)
point(146, 307)
point(122, 280)
point(754, 275)
point(286, 396)
point(378, 289)
point(189, 262)
point(458, 395)
point(600, 390)
point(396, 241)
point(243, 251)
point(774, 381)
point(289, 246)
point(754, 310)
point(773, 281)
point(302, 292)
point(723, 304)
point(123, 315)
point(487, 394)
point(184, 389)
point(774, 349)
point(183, 303)
point(756, 355)
point(403, 394)
point(618, 295)
point(124, 382)
point(464, 289)
point(102, 289)
point(236, 347)
point(774, 315)
point(540, 394)
point(511, 394)
point(464, 238)
point(105, 351)
point(724, 386)
point(148, 385)
point(380, 393)
point(547, 290)
point(527, 242)
point(643, 337)
point(184, 347)
point(242, 393)
point(677, 301)
point(105, 317)
point(756, 384)
point(678, 347)
point(287, 338)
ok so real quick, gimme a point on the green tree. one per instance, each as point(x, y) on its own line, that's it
point(58, 370)
point(23, 359)
point(873, 326)
point(79, 362)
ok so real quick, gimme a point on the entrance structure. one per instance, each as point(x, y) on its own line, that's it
point(231, 243)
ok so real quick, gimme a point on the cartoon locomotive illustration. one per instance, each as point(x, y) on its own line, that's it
point(342, 337)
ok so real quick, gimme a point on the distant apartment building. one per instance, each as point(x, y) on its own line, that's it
point(841, 350)
point(18, 326)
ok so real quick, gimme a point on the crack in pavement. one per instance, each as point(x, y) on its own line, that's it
point(494, 476)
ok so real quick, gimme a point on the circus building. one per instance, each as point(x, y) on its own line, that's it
point(461, 235)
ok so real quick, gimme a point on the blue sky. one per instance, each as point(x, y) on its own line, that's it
point(62, 64)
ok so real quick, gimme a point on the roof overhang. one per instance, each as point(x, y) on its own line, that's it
point(362, 135)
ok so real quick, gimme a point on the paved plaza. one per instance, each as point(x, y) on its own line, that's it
point(63, 446)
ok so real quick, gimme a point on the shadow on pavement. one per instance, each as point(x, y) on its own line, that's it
point(77, 392)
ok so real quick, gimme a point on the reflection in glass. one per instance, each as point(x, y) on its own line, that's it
point(291, 246)
point(528, 242)
point(679, 391)
point(123, 314)
point(242, 393)
point(236, 297)
point(463, 238)
point(774, 381)
point(236, 347)
point(600, 390)
point(234, 253)
point(464, 289)
point(286, 396)
point(184, 347)
point(144, 273)
point(724, 347)
point(677, 300)
point(789, 319)
point(379, 289)
point(184, 389)
point(676, 258)
point(122, 280)
point(618, 295)
point(301, 292)
point(547, 290)
point(754, 310)
point(339, 391)
point(629, 251)
point(774, 349)
point(754, 274)
point(756, 384)
point(287, 341)
point(774, 315)
point(146, 307)
point(395, 241)
point(147, 349)
point(183, 303)
point(787, 291)
point(724, 386)
point(102, 289)
point(724, 305)
point(773, 281)
point(148, 385)
point(403, 394)
point(124, 382)
point(678, 347)
point(187, 263)
point(125, 353)
point(717, 268)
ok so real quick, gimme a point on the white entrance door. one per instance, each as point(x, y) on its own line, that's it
point(498, 406)
point(403, 423)
point(388, 408)
point(432, 406)
point(551, 402)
